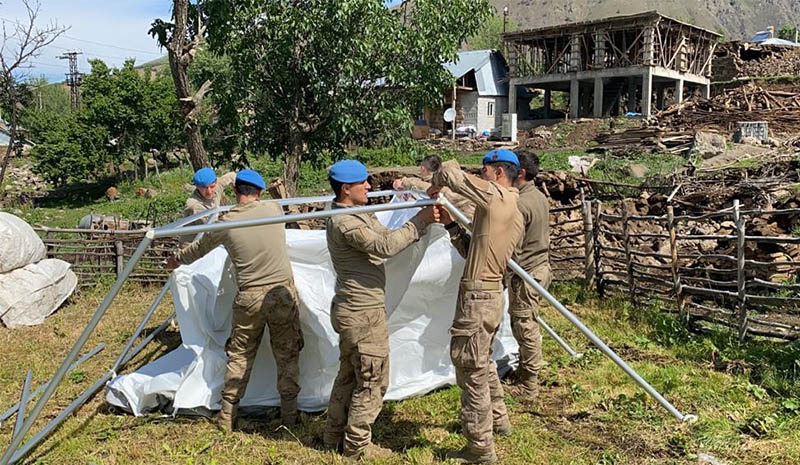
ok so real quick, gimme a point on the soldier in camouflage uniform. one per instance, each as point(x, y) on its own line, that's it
point(497, 228)
point(358, 244)
point(532, 255)
point(266, 297)
point(207, 194)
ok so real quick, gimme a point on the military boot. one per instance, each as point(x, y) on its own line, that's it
point(289, 414)
point(467, 455)
point(226, 417)
point(525, 388)
point(371, 452)
point(503, 427)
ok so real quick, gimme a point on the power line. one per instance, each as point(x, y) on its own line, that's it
point(91, 41)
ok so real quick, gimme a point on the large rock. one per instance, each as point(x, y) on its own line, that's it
point(636, 170)
point(708, 144)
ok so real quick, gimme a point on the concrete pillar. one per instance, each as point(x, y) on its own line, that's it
point(548, 105)
point(679, 91)
point(575, 53)
point(599, 49)
point(647, 93)
point(648, 46)
point(707, 91)
point(574, 98)
point(631, 105)
point(598, 98)
point(512, 95)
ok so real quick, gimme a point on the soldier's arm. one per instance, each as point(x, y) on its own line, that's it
point(198, 249)
point(382, 242)
point(227, 179)
point(416, 184)
point(471, 187)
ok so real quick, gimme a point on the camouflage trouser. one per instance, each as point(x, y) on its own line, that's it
point(357, 394)
point(478, 314)
point(523, 307)
point(253, 309)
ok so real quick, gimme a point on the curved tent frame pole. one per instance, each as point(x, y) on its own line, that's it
point(14, 453)
point(461, 218)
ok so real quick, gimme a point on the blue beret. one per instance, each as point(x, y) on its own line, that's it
point(252, 178)
point(204, 177)
point(501, 155)
point(348, 171)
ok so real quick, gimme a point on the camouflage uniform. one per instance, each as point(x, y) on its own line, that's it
point(196, 203)
point(266, 297)
point(497, 228)
point(358, 243)
point(532, 255)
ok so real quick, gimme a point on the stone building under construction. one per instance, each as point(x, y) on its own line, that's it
point(611, 66)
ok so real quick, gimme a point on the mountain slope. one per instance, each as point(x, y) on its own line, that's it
point(737, 19)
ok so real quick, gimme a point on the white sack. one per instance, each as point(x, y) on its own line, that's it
point(19, 243)
point(422, 283)
point(31, 293)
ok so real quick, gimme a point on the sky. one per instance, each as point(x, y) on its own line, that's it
point(111, 30)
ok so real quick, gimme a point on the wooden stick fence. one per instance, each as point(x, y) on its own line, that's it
point(720, 284)
point(100, 254)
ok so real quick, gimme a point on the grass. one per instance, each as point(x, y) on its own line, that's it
point(745, 395)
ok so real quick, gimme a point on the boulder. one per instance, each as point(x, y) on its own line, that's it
point(636, 170)
point(708, 144)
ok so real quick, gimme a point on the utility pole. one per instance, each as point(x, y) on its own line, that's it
point(505, 23)
point(73, 78)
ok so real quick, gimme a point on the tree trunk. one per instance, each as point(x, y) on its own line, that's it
point(12, 133)
point(291, 166)
point(180, 57)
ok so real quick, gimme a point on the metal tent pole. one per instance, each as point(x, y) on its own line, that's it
point(79, 343)
point(583, 328)
point(7, 414)
point(141, 326)
point(23, 403)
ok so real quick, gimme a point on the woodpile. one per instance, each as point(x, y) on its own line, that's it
point(737, 60)
point(653, 138)
point(748, 102)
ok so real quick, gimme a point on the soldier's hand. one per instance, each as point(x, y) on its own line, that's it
point(172, 263)
point(397, 184)
point(444, 215)
point(433, 191)
point(429, 214)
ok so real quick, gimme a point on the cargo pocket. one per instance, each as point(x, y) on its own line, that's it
point(465, 346)
point(372, 361)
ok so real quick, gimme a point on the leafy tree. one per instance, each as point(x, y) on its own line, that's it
point(490, 35)
point(47, 96)
point(787, 32)
point(309, 77)
point(123, 114)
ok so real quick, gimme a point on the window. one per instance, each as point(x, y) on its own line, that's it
point(490, 109)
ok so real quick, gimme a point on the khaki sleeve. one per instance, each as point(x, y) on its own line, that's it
point(192, 207)
point(460, 239)
point(198, 249)
point(382, 242)
point(416, 184)
point(471, 187)
point(227, 179)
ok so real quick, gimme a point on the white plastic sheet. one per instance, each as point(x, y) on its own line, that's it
point(31, 293)
point(422, 283)
point(19, 243)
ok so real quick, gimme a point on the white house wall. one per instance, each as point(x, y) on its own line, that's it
point(485, 121)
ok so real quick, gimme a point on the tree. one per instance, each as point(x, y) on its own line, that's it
point(124, 113)
point(490, 35)
point(181, 38)
point(47, 96)
point(787, 32)
point(22, 41)
point(311, 76)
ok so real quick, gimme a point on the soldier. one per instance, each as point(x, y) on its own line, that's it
point(429, 165)
point(497, 228)
point(532, 255)
point(266, 296)
point(358, 243)
point(207, 194)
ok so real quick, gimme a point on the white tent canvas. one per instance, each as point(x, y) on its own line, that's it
point(422, 283)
